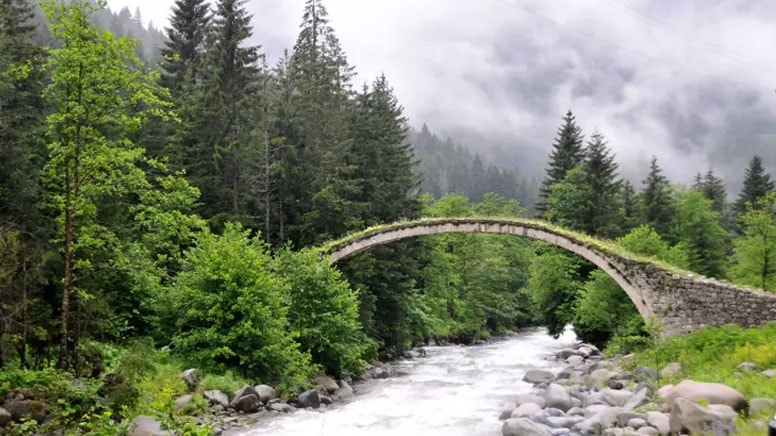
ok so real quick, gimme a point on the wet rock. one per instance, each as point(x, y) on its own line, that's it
point(649, 431)
point(756, 406)
point(247, 403)
point(620, 432)
point(646, 373)
point(688, 416)
point(564, 421)
point(506, 411)
point(309, 399)
point(183, 401)
point(326, 384)
point(145, 426)
point(660, 421)
point(616, 397)
point(624, 417)
point(600, 376)
point(748, 366)
point(636, 423)
point(281, 407)
point(5, 417)
point(531, 398)
point(575, 360)
point(216, 397)
point(325, 400)
point(537, 376)
point(556, 396)
point(714, 393)
point(588, 427)
point(265, 393)
point(28, 408)
point(377, 372)
point(525, 410)
point(671, 370)
point(564, 354)
point(524, 427)
point(344, 391)
point(640, 398)
point(191, 378)
point(564, 373)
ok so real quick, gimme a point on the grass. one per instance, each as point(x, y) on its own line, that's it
point(713, 355)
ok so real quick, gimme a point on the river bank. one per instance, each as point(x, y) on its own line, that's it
point(621, 395)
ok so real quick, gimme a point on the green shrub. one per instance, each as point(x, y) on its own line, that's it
point(227, 382)
point(230, 312)
point(323, 311)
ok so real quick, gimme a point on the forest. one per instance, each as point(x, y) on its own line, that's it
point(161, 210)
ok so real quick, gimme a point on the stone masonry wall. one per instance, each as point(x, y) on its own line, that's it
point(683, 303)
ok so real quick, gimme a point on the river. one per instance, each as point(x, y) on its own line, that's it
point(453, 391)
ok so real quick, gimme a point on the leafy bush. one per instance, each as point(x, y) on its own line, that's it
point(227, 382)
point(323, 312)
point(230, 311)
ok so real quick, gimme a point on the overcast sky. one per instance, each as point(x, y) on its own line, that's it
point(691, 82)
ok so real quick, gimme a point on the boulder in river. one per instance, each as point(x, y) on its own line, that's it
point(506, 411)
point(345, 391)
point(525, 410)
point(265, 393)
point(326, 384)
point(531, 398)
point(309, 398)
point(575, 360)
point(247, 403)
point(538, 376)
point(524, 427)
point(557, 396)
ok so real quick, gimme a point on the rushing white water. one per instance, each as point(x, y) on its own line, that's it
point(453, 391)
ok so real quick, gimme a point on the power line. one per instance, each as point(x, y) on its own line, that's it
point(716, 48)
point(621, 47)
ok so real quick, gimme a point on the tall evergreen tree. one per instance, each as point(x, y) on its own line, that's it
point(185, 37)
point(322, 174)
point(630, 207)
point(713, 188)
point(222, 137)
point(757, 183)
point(568, 151)
point(658, 203)
point(604, 211)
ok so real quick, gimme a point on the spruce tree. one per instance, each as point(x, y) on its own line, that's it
point(185, 37)
point(630, 207)
point(757, 183)
point(713, 188)
point(223, 135)
point(568, 151)
point(321, 105)
point(657, 202)
point(603, 213)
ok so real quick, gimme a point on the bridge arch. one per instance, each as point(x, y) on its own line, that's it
point(682, 301)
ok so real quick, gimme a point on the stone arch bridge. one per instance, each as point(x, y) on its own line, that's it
point(682, 301)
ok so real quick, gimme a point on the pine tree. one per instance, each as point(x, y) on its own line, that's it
point(185, 36)
point(713, 188)
point(630, 207)
point(757, 183)
point(568, 152)
point(321, 106)
point(657, 202)
point(604, 212)
point(222, 137)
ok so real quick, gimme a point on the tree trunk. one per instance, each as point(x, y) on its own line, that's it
point(68, 279)
point(267, 193)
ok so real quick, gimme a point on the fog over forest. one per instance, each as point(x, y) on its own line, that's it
point(690, 84)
